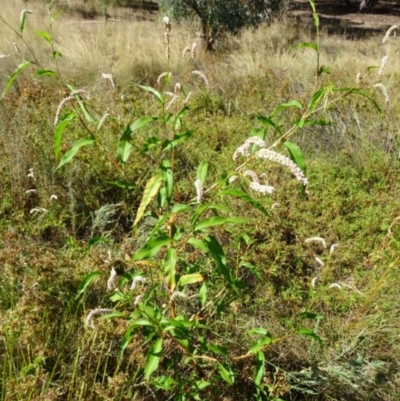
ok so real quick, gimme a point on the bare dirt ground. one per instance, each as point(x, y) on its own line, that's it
point(337, 16)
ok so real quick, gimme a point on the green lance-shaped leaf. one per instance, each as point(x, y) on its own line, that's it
point(22, 19)
point(141, 122)
point(15, 74)
point(150, 191)
point(359, 91)
point(59, 131)
point(309, 333)
point(45, 35)
point(124, 145)
point(153, 358)
point(178, 139)
point(311, 315)
point(88, 115)
point(316, 19)
point(85, 282)
point(246, 198)
point(267, 121)
point(226, 374)
point(217, 221)
point(168, 178)
point(217, 253)
point(260, 368)
point(260, 345)
point(203, 294)
point(68, 156)
point(47, 73)
point(124, 148)
point(292, 103)
point(152, 247)
point(312, 4)
point(317, 96)
point(157, 94)
point(202, 171)
point(170, 267)
point(296, 155)
point(199, 244)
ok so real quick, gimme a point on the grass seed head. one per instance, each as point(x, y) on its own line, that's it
point(199, 190)
point(384, 91)
point(388, 32)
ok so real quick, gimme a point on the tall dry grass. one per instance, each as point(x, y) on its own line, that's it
point(134, 50)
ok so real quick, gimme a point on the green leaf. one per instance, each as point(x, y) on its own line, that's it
point(88, 115)
point(118, 296)
point(309, 333)
point(303, 45)
point(140, 322)
point(260, 368)
point(122, 184)
point(316, 19)
point(124, 148)
point(56, 54)
point(85, 282)
point(259, 330)
point(226, 374)
point(217, 221)
point(152, 247)
point(58, 132)
point(178, 139)
point(150, 191)
point(168, 178)
point(204, 207)
point(191, 279)
point(217, 253)
point(199, 244)
point(141, 122)
point(323, 69)
point(259, 345)
point(170, 264)
point(49, 73)
point(317, 96)
point(296, 155)
point(217, 349)
point(94, 241)
point(202, 384)
point(246, 198)
point(292, 103)
point(360, 92)
point(68, 156)
point(202, 171)
point(267, 121)
point(252, 268)
point(157, 94)
point(178, 208)
point(153, 358)
point(164, 383)
point(311, 315)
point(203, 294)
point(23, 19)
point(45, 35)
point(14, 75)
point(149, 144)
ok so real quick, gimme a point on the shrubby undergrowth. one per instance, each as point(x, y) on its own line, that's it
point(163, 241)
